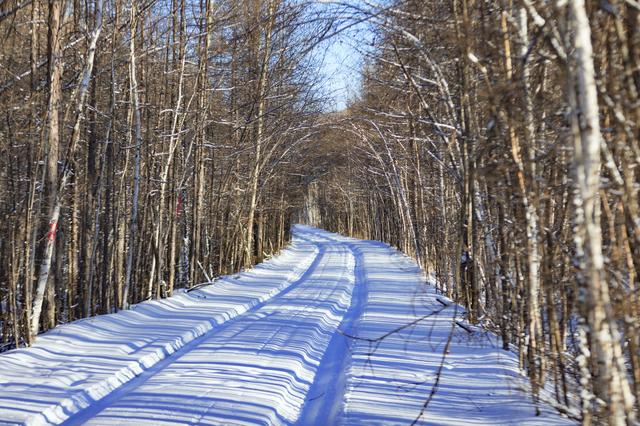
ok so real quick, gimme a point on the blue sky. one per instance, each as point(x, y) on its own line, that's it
point(341, 67)
point(342, 55)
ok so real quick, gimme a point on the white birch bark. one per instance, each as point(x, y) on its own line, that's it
point(611, 384)
point(54, 215)
point(529, 196)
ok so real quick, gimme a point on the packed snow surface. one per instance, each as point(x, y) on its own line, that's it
point(332, 331)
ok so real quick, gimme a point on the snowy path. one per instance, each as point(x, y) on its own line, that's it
point(268, 347)
point(390, 379)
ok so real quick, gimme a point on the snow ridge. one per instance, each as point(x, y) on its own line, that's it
point(39, 377)
point(325, 397)
point(256, 369)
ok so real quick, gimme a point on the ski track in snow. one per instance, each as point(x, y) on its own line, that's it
point(268, 346)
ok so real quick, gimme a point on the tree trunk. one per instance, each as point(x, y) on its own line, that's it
point(133, 224)
point(262, 102)
point(53, 142)
point(610, 382)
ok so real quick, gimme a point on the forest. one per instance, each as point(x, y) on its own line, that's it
point(148, 146)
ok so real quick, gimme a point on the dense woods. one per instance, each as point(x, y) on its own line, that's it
point(492, 145)
point(144, 147)
point(149, 146)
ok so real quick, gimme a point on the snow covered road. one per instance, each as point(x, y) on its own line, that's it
point(270, 346)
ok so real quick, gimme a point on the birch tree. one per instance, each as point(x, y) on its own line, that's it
point(611, 384)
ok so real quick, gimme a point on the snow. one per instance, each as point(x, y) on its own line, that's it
point(390, 379)
point(295, 340)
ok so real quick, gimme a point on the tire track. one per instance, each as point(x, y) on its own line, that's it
point(255, 368)
point(82, 416)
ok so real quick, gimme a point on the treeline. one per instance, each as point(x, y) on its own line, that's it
point(144, 147)
point(497, 142)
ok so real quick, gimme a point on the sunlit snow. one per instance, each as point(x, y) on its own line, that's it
point(296, 340)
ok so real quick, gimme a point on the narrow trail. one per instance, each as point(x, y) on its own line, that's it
point(325, 397)
point(271, 347)
point(242, 371)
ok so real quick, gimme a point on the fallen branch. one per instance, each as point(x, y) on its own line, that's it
point(465, 327)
